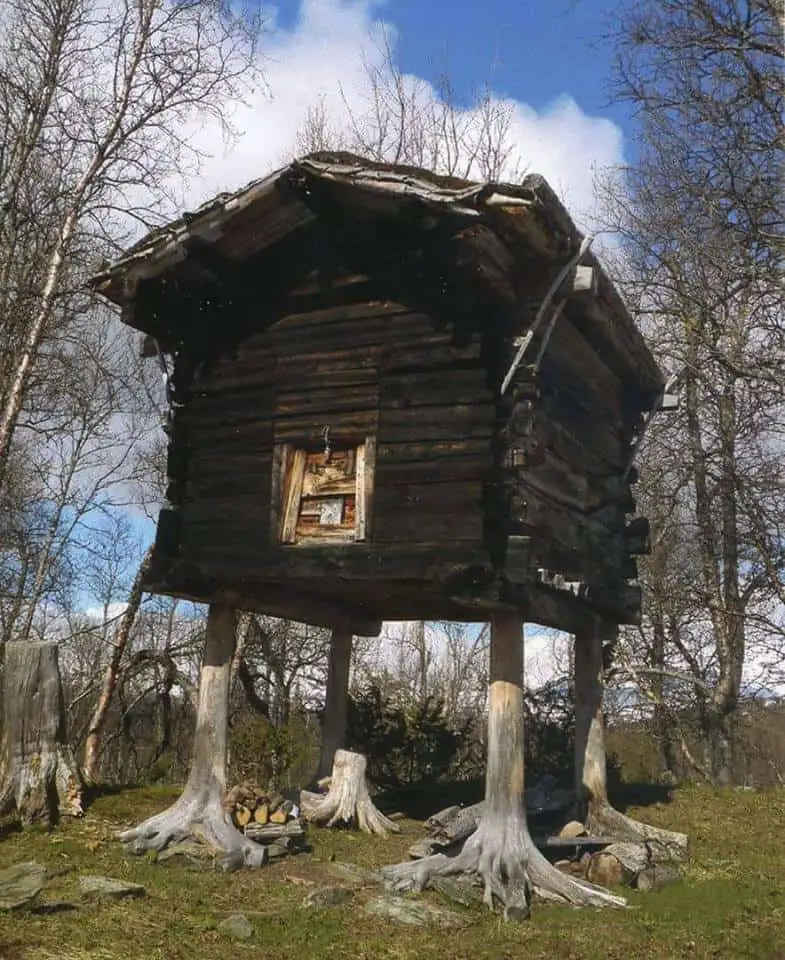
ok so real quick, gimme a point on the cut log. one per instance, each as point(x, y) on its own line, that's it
point(605, 870)
point(278, 816)
point(633, 858)
point(501, 852)
point(348, 800)
point(261, 814)
point(262, 833)
point(242, 815)
point(39, 778)
point(656, 877)
point(199, 813)
point(602, 820)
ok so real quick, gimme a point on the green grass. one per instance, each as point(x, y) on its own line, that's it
point(730, 905)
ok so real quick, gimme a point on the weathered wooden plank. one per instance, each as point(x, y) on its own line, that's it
point(577, 362)
point(543, 434)
point(436, 387)
point(552, 422)
point(323, 401)
point(247, 545)
point(282, 455)
point(230, 485)
point(361, 332)
point(408, 512)
point(291, 503)
point(438, 470)
point(431, 451)
point(399, 424)
point(566, 484)
point(422, 357)
point(340, 313)
point(345, 426)
point(324, 375)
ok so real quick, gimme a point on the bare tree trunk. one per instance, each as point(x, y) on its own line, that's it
point(336, 699)
point(38, 774)
point(199, 812)
point(501, 852)
point(663, 725)
point(591, 782)
point(92, 750)
point(348, 800)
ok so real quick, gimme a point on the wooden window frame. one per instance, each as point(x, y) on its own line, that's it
point(289, 461)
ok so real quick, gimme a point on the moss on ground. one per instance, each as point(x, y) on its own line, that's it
point(730, 905)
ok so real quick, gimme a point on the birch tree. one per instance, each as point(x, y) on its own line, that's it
point(701, 221)
point(96, 103)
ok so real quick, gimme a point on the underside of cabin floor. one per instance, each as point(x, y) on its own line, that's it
point(362, 595)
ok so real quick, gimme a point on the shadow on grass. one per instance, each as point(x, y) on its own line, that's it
point(8, 827)
point(638, 794)
point(418, 801)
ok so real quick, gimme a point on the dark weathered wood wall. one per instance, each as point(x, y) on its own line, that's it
point(568, 428)
point(372, 368)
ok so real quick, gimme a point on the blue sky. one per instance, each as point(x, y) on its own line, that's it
point(532, 51)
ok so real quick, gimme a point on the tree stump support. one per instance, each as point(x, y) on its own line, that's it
point(347, 800)
point(591, 783)
point(336, 703)
point(199, 813)
point(39, 777)
point(501, 852)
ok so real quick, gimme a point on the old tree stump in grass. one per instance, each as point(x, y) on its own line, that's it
point(501, 852)
point(347, 800)
point(199, 814)
point(39, 778)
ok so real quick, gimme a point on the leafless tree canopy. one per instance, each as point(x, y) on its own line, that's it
point(700, 216)
point(405, 120)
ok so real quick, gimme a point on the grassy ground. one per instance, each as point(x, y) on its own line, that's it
point(730, 905)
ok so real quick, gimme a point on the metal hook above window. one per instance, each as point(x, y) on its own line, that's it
point(326, 435)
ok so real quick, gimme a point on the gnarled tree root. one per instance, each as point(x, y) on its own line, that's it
point(664, 845)
point(198, 815)
point(503, 857)
point(347, 800)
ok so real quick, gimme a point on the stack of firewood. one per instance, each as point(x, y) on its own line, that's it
point(266, 817)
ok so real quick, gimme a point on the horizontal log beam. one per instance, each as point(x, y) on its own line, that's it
point(275, 600)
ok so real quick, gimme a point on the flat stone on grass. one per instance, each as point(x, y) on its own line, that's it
point(413, 913)
point(21, 884)
point(323, 897)
point(94, 886)
point(238, 927)
point(359, 876)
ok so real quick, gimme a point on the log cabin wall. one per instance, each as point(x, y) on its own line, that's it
point(371, 370)
point(568, 428)
point(482, 498)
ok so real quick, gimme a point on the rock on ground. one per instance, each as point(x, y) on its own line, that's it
point(323, 897)
point(20, 884)
point(238, 926)
point(359, 876)
point(109, 887)
point(413, 913)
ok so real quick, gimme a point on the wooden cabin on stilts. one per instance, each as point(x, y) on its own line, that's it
point(396, 395)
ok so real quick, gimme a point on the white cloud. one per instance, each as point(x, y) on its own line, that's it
point(324, 56)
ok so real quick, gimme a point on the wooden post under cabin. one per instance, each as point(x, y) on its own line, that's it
point(336, 699)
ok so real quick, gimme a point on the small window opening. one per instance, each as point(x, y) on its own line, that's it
point(325, 493)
